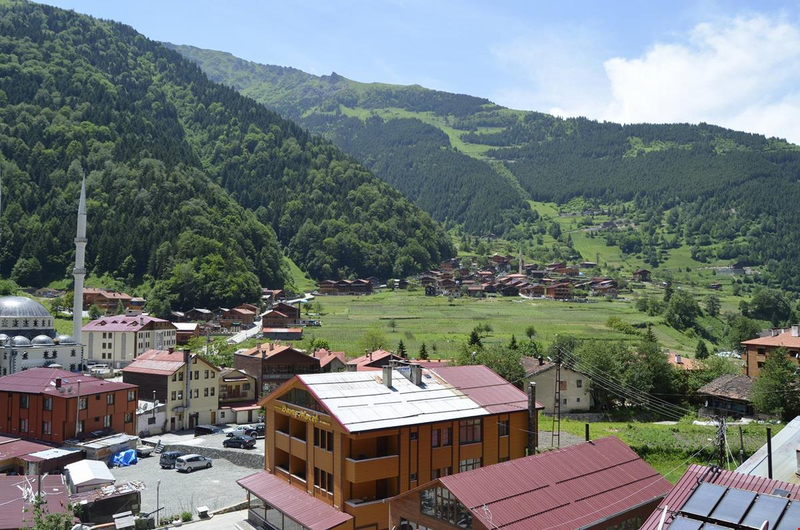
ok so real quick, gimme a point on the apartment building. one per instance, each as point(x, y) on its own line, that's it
point(338, 445)
point(755, 351)
point(53, 405)
point(118, 340)
point(186, 383)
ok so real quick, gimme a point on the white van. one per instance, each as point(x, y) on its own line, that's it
point(189, 463)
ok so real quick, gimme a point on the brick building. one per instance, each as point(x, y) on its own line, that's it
point(42, 403)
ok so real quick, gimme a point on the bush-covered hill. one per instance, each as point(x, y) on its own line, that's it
point(189, 183)
point(728, 194)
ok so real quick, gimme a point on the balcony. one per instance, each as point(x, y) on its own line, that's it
point(282, 441)
point(368, 469)
point(369, 512)
point(298, 448)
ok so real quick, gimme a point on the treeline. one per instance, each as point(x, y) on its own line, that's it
point(164, 149)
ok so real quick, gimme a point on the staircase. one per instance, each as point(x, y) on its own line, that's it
point(159, 447)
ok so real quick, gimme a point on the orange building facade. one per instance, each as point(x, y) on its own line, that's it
point(43, 403)
point(352, 440)
point(755, 351)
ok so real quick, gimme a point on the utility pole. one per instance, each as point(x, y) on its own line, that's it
point(721, 427)
point(741, 446)
point(555, 434)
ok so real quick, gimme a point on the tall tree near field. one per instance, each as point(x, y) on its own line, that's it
point(701, 352)
point(401, 349)
point(712, 305)
point(423, 352)
point(776, 390)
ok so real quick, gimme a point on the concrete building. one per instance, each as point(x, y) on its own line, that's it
point(238, 392)
point(28, 338)
point(349, 441)
point(575, 387)
point(44, 403)
point(118, 340)
point(186, 383)
point(273, 364)
point(755, 351)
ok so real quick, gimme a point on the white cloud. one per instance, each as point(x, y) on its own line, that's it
point(742, 73)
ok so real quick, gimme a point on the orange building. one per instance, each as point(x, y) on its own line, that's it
point(42, 403)
point(755, 351)
point(349, 441)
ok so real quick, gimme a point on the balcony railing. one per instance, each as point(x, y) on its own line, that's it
point(371, 468)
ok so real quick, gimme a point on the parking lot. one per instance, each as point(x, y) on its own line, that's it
point(211, 441)
point(215, 487)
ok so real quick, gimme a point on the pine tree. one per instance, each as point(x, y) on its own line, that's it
point(474, 339)
point(401, 349)
point(701, 352)
point(423, 352)
point(513, 344)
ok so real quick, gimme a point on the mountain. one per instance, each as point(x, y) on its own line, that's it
point(192, 187)
point(728, 195)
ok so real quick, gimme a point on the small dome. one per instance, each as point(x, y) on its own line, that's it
point(19, 306)
point(65, 339)
point(42, 340)
point(20, 341)
point(3, 338)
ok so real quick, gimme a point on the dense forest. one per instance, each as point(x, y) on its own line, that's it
point(413, 156)
point(727, 194)
point(192, 188)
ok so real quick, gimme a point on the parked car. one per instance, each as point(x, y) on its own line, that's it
point(244, 442)
point(260, 429)
point(202, 430)
point(168, 458)
point(240, 430)
point(189, 463)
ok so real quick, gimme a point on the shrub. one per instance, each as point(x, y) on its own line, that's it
point(186, 517)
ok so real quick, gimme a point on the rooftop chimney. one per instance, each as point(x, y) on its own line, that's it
point(541, 360)
point(678, 359)
point(416, 373)
point(795, 331)
point(171, 349)
point(58, 382)
point(370, 355)
point(387, 376)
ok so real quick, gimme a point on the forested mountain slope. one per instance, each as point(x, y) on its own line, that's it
point(189, 182)
point(728, 194)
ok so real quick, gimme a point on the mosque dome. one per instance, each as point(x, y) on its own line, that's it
point(20, 307)
point(42, 340)
point(65, 339)
point(3, 338)
point(20, 342)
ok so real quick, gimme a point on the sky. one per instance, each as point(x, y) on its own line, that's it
point(731, 63)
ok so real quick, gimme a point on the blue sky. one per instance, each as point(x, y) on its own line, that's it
point(732, 63)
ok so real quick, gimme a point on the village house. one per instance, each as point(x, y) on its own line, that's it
point(682, 362)
point(641, 275)
point(606, 288)
point(238, 392)
point(271, 296)
point(595, 485)
point(533, 291)
point(199, 315)
point(237, 318)
point(755, 351)
point(53, 405)
point(372, 360)
point(186, 331)
point(185, 382)
point(574, 386)
point(108, 301)
point(348, 442)
point(727, 395)
point(344, 287)
point(273, 364)
point(118, 340)
point(282, 334)
point(559, 291)
point(282, 315)
point(331, 361)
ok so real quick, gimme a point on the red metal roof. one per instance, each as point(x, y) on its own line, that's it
point(157, 362)
point(42, 381)
point(122, 323)
point(297, 504)
point(374, 357)
point(565, 489)
point(15, 448)
point(483, 386)
point(16, 512)
point(686, 485)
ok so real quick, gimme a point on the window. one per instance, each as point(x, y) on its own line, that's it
point(579, 382)
point(151, 420)
point(81, 425)
point(174, 377)
point(213, 390)
point(205, 392)
point(173, 396)
point(447, 437)
point(23, 425)
point(440, 503)
point(469, 431)
point(46, 426)
point(564, 401)
point(23, 401)
point(323, 480)
point(213, 375)
point(107, 420)
point(562, 385)
point(180, 394)
point(128, 417)
point(469, 463)
point(97, 397)
point(405, 524)
point(413, 477)
point(206, 375)
point(323, 439)
point(131, 395)
point(109, 399)
point(443, 472)
point(83, 403)
point(302, 398)
point(245, 386)
point(196, 392)
point(180, 376)
point(413, 436)
point(578, 400)
point(197, 374)
point(502, 427)
point(435, 434)
point(47, 403)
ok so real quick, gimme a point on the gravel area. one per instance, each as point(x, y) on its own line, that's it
point(567, 440)
point(215, 487)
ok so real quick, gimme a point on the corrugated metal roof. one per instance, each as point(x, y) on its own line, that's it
point(15, 448)
point(300, 506)
point(686, 485)
point(42, 381)
point(563, 489)
point(784, 456)
point(486, 388)
point(15, 505)
point(122, 323)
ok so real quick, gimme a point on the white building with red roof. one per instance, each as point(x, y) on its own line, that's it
point(118, 340)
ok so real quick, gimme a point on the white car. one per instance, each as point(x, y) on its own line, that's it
point(189, 463)
point(241, 430)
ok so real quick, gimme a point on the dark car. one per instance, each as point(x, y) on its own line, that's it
point(243, 442)
point(168, 458)
point(202, 430)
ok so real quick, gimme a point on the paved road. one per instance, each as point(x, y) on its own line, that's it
point(215, 487)
point(227, 521)
point(256, 329)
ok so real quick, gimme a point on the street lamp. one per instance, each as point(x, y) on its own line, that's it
point(158, 488)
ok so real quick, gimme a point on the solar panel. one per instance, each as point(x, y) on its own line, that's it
point(682, 523)
point(704, 500)
point(710, 526)
point(733, 506)
point(791, 517)
point(766, 508)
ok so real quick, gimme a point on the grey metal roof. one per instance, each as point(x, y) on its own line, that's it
point(20, 341)
point(19, 306)
point(784, 456)
point(65, 339)
point(42, 340)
